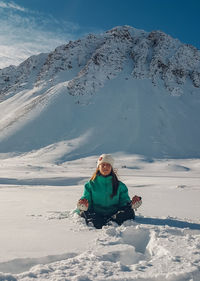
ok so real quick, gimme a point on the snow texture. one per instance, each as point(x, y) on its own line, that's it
point(42, 239)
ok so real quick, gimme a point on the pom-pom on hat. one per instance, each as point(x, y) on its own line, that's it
point(105, 158)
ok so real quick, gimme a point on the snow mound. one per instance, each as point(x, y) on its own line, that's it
point(128, 252)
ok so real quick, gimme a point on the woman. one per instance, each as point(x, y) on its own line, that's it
point(105, 198)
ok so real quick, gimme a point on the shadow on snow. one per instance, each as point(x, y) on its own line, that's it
point(168, 221)
point(57, 181)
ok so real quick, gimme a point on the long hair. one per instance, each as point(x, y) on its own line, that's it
point(115, 181)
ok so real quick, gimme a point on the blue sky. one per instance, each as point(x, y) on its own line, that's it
point(32, 26)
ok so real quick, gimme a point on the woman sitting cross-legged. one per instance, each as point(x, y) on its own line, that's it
point(105, 198)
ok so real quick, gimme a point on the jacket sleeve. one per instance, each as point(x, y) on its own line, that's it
point(123, 195)
point(87, 194)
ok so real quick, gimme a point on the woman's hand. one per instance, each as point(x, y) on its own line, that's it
point(136, 202)
point(83, 204)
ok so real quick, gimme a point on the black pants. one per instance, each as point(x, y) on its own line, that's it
point(98, 220)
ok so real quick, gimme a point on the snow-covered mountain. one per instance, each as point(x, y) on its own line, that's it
point(124, 90)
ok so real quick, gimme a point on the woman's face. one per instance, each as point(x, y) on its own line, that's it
point(105, 169)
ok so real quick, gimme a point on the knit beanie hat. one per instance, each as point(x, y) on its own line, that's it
point(105, 158)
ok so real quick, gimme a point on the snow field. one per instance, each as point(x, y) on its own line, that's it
point(42, 239)
point(129, 252)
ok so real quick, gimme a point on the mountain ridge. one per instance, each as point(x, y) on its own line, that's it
point(169, 57)
point(119, 69)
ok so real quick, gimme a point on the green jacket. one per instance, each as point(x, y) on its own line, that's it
point(98, 194)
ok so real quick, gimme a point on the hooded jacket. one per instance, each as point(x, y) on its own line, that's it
point(98, 193)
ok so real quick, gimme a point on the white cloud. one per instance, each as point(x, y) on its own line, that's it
point(24, 33)
point(11, 5)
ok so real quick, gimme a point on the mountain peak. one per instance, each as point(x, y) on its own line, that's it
point(144, 84)
point(153, 55)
